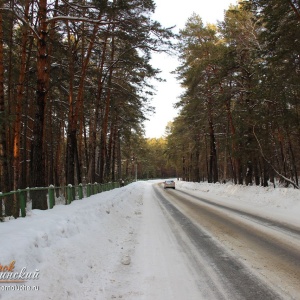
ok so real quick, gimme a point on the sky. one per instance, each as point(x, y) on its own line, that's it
point(170, 13)
point(119, 245)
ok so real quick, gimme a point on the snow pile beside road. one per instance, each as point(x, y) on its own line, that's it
point(76, 248)
point(283, 202)
point(118, 244)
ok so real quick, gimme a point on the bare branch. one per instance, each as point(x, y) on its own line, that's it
point(280, 175)
point(294, 9)
point(22, 20)
point(81, 19)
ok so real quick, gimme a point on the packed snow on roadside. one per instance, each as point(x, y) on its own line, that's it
point(117, 244)
point(277, 203)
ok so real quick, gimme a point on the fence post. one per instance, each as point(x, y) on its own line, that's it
point(73, 193)
point(51, 196)
point(88, 190)
point(22, 203)
point(95, 188)
point(69, 193)
point(80, 192)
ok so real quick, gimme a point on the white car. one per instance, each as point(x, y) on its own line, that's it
point(169, 184)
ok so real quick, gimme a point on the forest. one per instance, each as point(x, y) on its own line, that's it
point(75, 90)
point(239, 119)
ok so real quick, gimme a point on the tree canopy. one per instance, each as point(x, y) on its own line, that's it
point(74, 89)
point(239, 117)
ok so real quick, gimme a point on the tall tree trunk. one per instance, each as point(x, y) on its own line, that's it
point(249, 173)
point(18, 110)
point(4, 173)
point(8, 104)
point(197, 162)
point(96, 117)
point(26, 136)
point(183, 168)
point(213, 161)
point(58, 169)
point(255, 170)
point(39, 201)
point(239, 169)
point(72, 150)
point(293, 161)
point(236, 161)
point(106, 113)
point(109, 154)
point(49, 106)
point(113, 154)
point(119, 157)
point(207, 161)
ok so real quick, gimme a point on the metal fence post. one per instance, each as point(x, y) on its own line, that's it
point(51, 196)
point(73, 193)
point(80, 192)
point(22, 203)
point(69, 193)
point(88, 190)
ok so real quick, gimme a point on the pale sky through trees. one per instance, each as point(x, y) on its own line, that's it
point(170, 13)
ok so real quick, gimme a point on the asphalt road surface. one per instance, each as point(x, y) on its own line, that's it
point(240, 255)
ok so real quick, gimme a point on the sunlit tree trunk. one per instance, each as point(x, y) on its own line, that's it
point(18, 109)
point(74, 118)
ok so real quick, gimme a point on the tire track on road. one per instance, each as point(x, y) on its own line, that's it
point(231, 277)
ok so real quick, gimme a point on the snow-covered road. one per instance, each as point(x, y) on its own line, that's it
point(242, 255)
point(121, 245)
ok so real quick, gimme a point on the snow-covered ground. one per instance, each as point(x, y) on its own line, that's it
point(117, 244)
point(277, 203)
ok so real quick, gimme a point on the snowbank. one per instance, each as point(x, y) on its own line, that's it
point(114, 244)
point(75, 248)
point(283, 203)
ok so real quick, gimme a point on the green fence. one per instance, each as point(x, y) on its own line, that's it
point(54, 195)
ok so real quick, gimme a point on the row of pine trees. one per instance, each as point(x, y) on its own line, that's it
point(74, 90)
point(240, 112)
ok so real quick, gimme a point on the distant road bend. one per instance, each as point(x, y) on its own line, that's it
point(236, 254)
